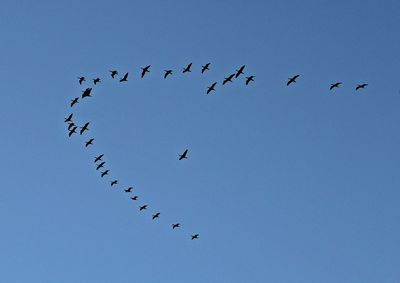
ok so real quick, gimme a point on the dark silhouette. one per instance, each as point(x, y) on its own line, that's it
point(115, 182)
point(249, 79)
point(72, 131)
point(71, 125)
point(98, 158)
point(134, 198)
point(292, 80)
point(167, 72)
point(157, 215)
point(89, 142)
point(187, 68)
point(113, 73)
point(195, 237)
point(143, 207)
point(104, 173)
point(211, 87)
point(74, 101)
point(145, 70)
point(361, 86)
point(240, 71)
point(100, 165)
point(81, 80)
point(177, 225)
point(205, 67)
point(128, 190)
point(125, 78)
point(183, 155)
point(335, 85)
point(96, 80)
point(69, 118)
point(86, 92)
point(228, 79)
point(84, 128)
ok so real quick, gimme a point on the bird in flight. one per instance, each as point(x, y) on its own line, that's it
point(167, 72)
point(113, 73)
point(249, 79)
point(72, 131)
point(292, 80)
point(74, 101)
point(86, 92)
point(125, 78)
point(115, 182)
point(96, 80)
point(145, 70)
point(85, 128)
point(194, 237)
point(157, 215)
point(187, 68)
point(361, 86)
point(104, 173)
point(143, 207)
point(128, 190)
point(98, 158)
point(81, 80)
point(228, 79)
point(100, 165)
point(335, 85)
point(176, 225)
point(69, 118)
point(205, 67)
point(70, 125)
point(89, 142)
point(240, 71)
point(211, 87)
point(134, 198)
point(183, 155)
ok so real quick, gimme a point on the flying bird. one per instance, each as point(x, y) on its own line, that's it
point(187, 68)
point(100, 165)
point(228, 79)
point(134, 198)
point(249, 79)
point(211, 87)
point(177, 225)
point(89, 142)
point(335, 85)
point(96, 81)
point(205, 67)
point(115, 182)
point(72, 131)
point(240, 71)
point(183, 155)
point(292, 80)
point(69, 118)
point(70, 125)
point(84, 128)
point(98, 158)
point(157, 215)
point(104, 173)
point(86, 92)
point(145, 70)
point(194, 237)
point(74, 101)
point(128, 190)
point(167, 72)
point(143, 207)
point(81, 80)
point(361, 86)
point(125, 78)
point(113, 73)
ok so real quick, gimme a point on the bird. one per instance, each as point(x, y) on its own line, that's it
point(74, 101)
point(115, 182)
point(205, 67)
point(249, 79)
point(157, 215)
point(69, 118)
point(86, 92)
point(89, 142)
point(100, 165)
point(104, 173)
point(145, 70)
point(70, 125)
point(292, 80)
point(335, 85)
point(167, 72)
point(228, 79)
point(72, 131)
point(96, 80)
point(84, 128)
point(128, 190)
point(134, 198)
point(98, 158)
point(183, 155)
point(187, 68)
point(113, 73)
point(176, 225)
point(125, 78)
point(240, 71)
point(361, 86)
point(211, 87)
point(143, 207)
point(196, 236)
point(81, 80)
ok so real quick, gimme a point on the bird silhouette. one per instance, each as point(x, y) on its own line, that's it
point(128, 190)
point(100, 165)
point(361, 86)
point(240, 71)
point(96, 80)
point(115, 182)
point(70, 125)
point(249, 79)
point(228, 79)
point(187, 68)
point(145, 70)
point(292, 80)
point(113, 73)
point(143, 207)
point(69, 118)
point(205, 67)
point(134, 198)
point(98, 158)
point(183, 155)
point(211, 87)
point(125, 78)
point(176, 225)
point(74, 101)
point(84, 128)
point(167, 72)
point(81, 80)
point(72, 131)
point(335, 85)
point(86, 92)
point(104, 173)
point(194, 237)
point(157, 215)
point(89, 142)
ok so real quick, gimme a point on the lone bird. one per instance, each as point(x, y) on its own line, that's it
point(157, 215)
point(167, 72)
point(72, 131)
point(70, 125)
point(81, 80)
point(249, 79)
point(177, 225)
point(292, 80)
point(100, 165)
point(86, 92)
point(228, 79)
point(115, 182)
point(205, 67)
point(125, 78)
point(145, 70)
point(69, 118)
point(128, 190)
point(361, 86)
point(98, 158)
point(183, 155)
point(134, 198)
point(240, 71)
point(187, 68)
point(211, 87)
point(113, 73)
point(84, 128)
point(194, 237)
point(104, 173)
point(74, 101)
point(143, 207)
point(335, 85)
point(89, 142)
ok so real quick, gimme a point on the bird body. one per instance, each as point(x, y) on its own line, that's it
point(89, 142)
point(240, 71)
point(81, 80)
point(96, 80)
point(249, 79)
point(134, 198)
point(194, 237)
point(115, 182)
point(125, 78)
point(145, 70)
point(183, 155)
point(292, 80)
point(167, 73)
point(113, 73)
point(176, 225)
point(69, 118)
point(104, 173)
point(143, 207)
point(72, 131)
point(84, 128)
point(211, 87)
point(157, 215)
point(86, 92)
point(205, 67)
point(361, 86)
point(100, 165)
point(187, 68)
point(128, 190)
point(98, 158)
point(228, 79)
point(335, 85)
point(74, 101)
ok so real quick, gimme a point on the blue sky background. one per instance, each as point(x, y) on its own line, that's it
point(283, 184)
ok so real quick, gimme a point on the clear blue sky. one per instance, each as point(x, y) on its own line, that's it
point(284, 185)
